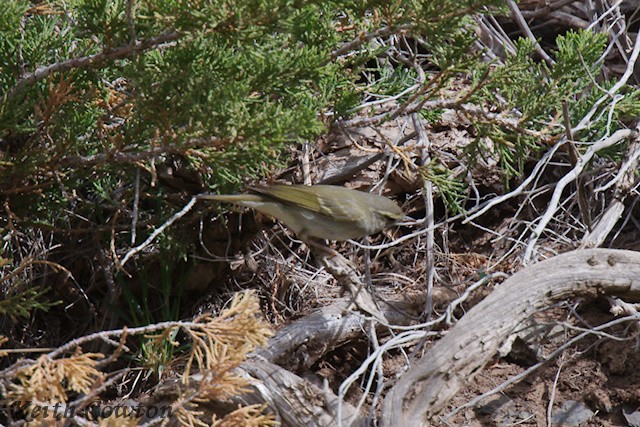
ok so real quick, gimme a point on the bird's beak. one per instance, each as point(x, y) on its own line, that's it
point(405, 220)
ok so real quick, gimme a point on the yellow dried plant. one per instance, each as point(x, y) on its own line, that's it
point(48, 381)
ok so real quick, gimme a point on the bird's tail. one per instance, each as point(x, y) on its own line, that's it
point(237, 199)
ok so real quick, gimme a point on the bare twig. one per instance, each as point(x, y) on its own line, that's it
point(581, 188)
point(364, 38)
point(425, 146)
point(517, 16)
point(625, 181)
point(569, 177)
point(158, 231)
point(136, 155)
point(586, 120)
point(136, 205)
point(89, 61)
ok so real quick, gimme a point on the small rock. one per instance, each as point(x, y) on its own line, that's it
point(494, 404)
point(572, 414)
point(631, 413)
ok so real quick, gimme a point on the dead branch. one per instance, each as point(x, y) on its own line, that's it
point(96, 60)
point(428, 385)
point(624, 182)
point(157, 232)
point(566, 180)
point(303, 342)
point(133, 155)
point(296, 401)
point(557, 352)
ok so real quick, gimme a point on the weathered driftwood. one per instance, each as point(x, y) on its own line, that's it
point(429, 384)
point(301, 343)
point(296, 400)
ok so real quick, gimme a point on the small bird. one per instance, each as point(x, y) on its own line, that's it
point(322, 211)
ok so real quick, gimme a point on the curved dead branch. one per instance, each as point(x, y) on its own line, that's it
point(303, 342)
point(428, 385)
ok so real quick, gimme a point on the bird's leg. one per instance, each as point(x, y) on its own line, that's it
point(321, 246)
point(367, 264)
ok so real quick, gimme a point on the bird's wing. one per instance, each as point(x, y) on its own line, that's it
point(307, 198)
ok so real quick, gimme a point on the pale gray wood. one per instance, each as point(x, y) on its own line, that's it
point(623, 188)
point(302, 343)
point(296, 401)
point(428, 385)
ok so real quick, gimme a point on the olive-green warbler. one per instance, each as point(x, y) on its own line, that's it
point(323, 211)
